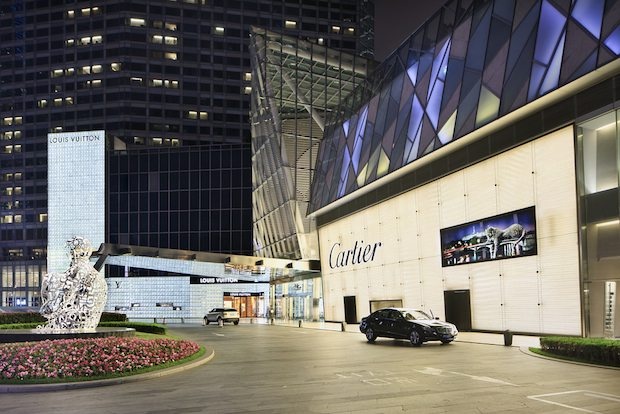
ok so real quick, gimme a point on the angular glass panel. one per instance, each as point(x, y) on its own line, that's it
point(550, 28)
point(590, 14)
point(412, 72)
point(416, 118)
point(613, 41)
point(488, 107)
point(345, 127)
point(361, 177)
point(359, 137)
point(446, 133)
point(344, 173)
point(553, 73)
point(383, 164)
point(538, 72)
point(434, 103)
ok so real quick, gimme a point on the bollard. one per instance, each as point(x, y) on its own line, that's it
point(220, 322)
point(300, 323)
point(507, 338)
point(343, 326)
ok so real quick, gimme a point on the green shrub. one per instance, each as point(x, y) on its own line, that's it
point(138, 326)
point(35, 317)
point(594, 350)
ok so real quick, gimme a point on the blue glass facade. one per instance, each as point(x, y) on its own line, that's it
point(470, 64)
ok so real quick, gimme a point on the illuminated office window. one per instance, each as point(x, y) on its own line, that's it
point(290, 24)
point(133, 21)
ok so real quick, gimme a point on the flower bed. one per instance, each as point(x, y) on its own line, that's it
point(71, 359)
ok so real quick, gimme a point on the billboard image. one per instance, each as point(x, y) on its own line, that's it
point(503, 236)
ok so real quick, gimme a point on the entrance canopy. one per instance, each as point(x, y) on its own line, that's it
point(245, 268)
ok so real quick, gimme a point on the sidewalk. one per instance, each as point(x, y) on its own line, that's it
point(472, 337)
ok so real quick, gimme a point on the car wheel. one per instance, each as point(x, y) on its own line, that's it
point(415, 338)
point(236, 322)
point(370, 335)
point(206, 321)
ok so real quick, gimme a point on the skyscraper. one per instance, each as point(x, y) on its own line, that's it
point(157, 77)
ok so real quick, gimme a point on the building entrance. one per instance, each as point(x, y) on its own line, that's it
point(458, 308)
point(249, 304)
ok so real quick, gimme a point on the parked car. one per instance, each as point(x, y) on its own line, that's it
point(412, 324)
point(222, 315)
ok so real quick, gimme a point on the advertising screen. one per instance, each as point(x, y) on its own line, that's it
point(76, 192)
point(503, 236)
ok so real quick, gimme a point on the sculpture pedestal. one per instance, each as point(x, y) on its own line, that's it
point(30, 335)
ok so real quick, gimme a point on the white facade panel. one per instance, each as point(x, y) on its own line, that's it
point(76, 192)
point(537, 294)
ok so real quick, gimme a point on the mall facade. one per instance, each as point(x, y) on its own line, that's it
point(475, 174)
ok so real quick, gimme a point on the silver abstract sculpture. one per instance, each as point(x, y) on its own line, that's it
point(74, 300)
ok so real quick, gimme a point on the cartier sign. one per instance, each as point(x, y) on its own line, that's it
point(340, 256)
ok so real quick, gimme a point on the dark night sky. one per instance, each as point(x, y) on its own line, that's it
point(395, 20)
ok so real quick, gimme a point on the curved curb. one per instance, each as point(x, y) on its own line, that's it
point(526, 351)
point(19, 388)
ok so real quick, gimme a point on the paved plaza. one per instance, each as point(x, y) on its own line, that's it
point(260, 368)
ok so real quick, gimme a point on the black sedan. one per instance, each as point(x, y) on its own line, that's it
point(412, 324)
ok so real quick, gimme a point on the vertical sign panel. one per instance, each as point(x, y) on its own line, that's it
point(76, 192)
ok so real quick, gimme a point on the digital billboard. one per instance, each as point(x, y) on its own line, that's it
point(503, 236)
point(75, 192)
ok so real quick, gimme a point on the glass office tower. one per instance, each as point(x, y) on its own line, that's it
point(151, 73)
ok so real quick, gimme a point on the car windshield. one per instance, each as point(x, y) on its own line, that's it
point(413, 314)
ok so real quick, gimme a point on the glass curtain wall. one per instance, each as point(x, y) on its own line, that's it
point(598, 142)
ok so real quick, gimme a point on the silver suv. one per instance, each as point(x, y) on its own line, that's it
point(221, 315)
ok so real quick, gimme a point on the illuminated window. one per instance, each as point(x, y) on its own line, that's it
point(174, 142)
point(218, 30)
point(57, 129)
point(6, 219)
point(136, 81)
point(69, 100)
point(84, 40)
point(350, 31)
point(157, 141)
point(137, 22)
point(247, 76)
point(17, 218)
point(70, 14)
point(170, 40)
point(97, 39)
point(290, 24)
point(157, 39)
point(138, 140)
point(95, 83)
point(18, 176)
point(18, 191)
point(42, 217)
point(192, 114)
point(42, 103)
point(321, 41)
point(116, 67)
point(90, 10)
point(170, 55)
point(97, 68)
point(69, 42)
point(57, 72)
point(204, 115)
point(158, 24)
point(17, 134)
point(335, 29)
point(57, 101)
point(84, 70)
point(171, 26)
point(247, 90)
point(157, 82)
point(69, 71)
